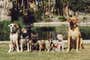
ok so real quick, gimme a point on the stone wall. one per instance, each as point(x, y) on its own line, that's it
point(5, 6)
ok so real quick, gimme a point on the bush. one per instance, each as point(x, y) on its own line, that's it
point(4, 30)
point(43, 32)
point(62, 18)
point(63, 30)
point(85, 32)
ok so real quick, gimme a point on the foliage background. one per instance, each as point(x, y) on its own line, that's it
point(4, 30)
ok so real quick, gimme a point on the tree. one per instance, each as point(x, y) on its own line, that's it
point(59, 7)
point(66, 8)
point(76, 5)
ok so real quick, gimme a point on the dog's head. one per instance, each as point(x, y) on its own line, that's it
point(13, 27)
point(59, 37)
point(24, 30)
point(73, 21)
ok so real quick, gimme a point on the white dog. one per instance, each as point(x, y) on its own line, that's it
point(60, 42)
point(14, 36)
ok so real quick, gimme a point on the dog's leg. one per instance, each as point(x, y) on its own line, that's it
point(52, 47)
point(10, 47)
point(62, 46)
point(48, 48)
point(21, 45)
point(68, 44)
point(40, 47)
point(28, 46)
point(77, 44)
point(17, 46)
point(81, 43)
point(39, 42)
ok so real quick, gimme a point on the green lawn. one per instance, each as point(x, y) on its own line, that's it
point(82, 55)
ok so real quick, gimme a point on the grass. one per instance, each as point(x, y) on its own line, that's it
point(84, 54)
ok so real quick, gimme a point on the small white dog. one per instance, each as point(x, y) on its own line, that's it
point(58, 44)
point(14, 36)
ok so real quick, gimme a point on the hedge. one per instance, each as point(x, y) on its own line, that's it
point(4, 30)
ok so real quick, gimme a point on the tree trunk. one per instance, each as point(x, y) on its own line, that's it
point(59, 7)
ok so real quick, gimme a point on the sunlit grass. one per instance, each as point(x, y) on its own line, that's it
point(83, 54)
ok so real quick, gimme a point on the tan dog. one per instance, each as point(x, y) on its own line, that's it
point(14, 36)
point(41, 45)
point(44, 45)
point(74, 39)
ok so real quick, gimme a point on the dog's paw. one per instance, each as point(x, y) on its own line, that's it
point(9, 51)
point(77, 50)
point(18, 51)
point(21, 51)
point(28, 50)
point(68, 50)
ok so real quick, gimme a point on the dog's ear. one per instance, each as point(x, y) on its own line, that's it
point(9, 25)
point(16, 25)
point(75, 19)
point(68, 19)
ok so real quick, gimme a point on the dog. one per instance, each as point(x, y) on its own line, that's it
point(41, 45)
point(48, 45)
point(25, 39)
point(52, 45)
point(60, 43)
point(45, 45)
point(34, 41)
point(74, 40)
point(14, 37)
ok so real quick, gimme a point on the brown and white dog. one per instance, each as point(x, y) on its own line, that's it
point(74, 39)
point(41, 45)
point(14, 36)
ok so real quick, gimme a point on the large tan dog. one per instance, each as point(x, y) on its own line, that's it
point(74, 35)
point(14, 36)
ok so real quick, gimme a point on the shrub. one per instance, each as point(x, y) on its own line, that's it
point(4, 30)
point(85, 32)
point(62, 18)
